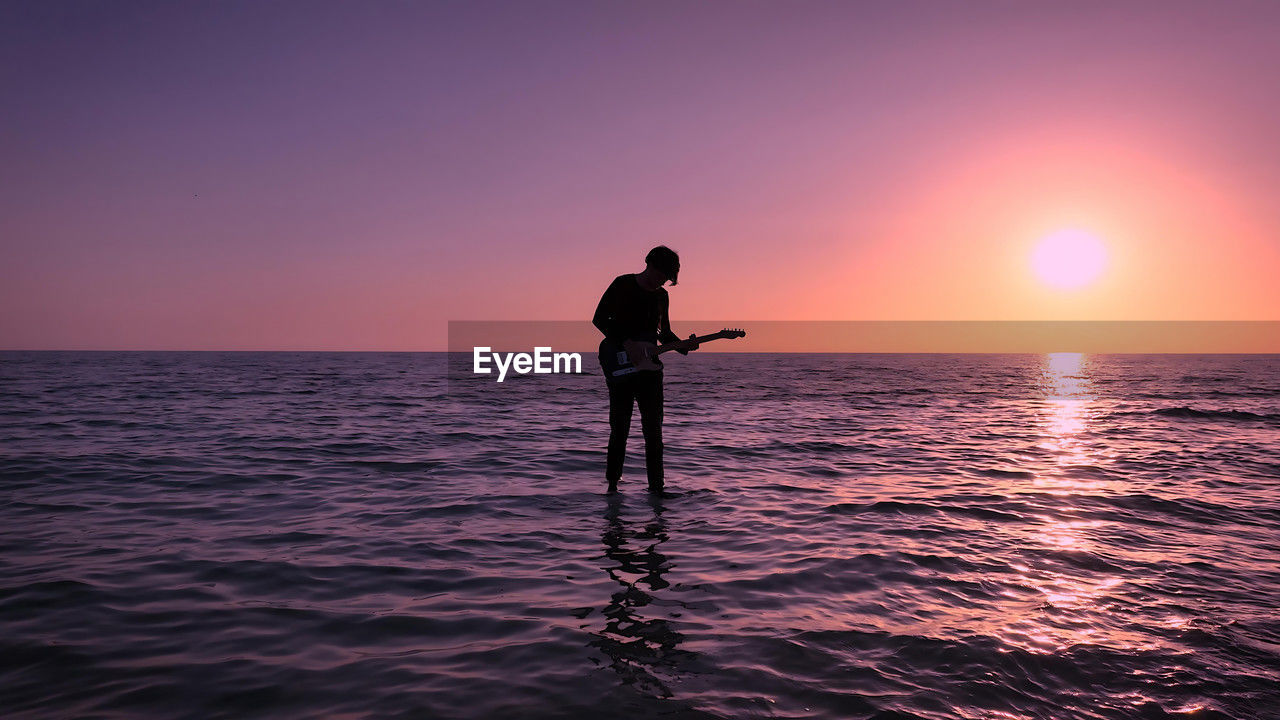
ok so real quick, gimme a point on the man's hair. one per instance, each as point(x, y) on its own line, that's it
point(666, 260)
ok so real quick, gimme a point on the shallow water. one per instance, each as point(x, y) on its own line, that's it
point(895, 536)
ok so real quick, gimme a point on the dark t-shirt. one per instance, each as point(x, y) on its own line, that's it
point(629, 312)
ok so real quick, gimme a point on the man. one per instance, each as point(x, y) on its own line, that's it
point(634, 308)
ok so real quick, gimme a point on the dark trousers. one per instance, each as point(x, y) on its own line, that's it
point(643, 389)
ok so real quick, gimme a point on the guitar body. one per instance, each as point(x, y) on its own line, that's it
point(620, 359)
point(616, 358)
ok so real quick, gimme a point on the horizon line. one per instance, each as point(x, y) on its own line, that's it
point(704, 352)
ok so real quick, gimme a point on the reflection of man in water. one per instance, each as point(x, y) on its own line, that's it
point(641, 650)
point(634, 307)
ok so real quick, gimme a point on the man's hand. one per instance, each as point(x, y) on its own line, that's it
point(692, 342)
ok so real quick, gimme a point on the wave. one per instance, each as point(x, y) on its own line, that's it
point(893, 507)
point(1190, 413)
point(1197, 414)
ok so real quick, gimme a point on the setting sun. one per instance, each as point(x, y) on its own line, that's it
point(1069, 259)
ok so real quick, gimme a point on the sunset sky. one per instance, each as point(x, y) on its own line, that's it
point(354, 175)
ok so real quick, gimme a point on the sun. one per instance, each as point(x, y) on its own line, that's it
point(1069, 259)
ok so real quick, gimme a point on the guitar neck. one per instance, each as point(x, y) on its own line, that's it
point(677, 344)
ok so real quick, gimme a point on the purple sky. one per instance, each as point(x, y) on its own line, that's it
point(353, 175)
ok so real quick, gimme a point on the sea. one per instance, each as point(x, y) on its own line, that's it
point(365, 535)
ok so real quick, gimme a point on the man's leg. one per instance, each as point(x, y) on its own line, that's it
point(621, 398)
point(648, 395)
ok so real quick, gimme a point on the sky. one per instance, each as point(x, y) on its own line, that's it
point(355, 175)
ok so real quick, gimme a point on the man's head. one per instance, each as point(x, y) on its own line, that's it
point(664, 260)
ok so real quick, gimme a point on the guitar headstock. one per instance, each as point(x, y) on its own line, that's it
point(732, 333)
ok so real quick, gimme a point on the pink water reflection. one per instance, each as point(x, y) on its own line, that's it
point(1069, 604)
point(1070, 404)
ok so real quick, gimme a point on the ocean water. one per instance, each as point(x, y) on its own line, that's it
point(235, 535)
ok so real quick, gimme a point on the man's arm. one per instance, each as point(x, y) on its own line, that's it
point(665, 335)
point(606, 311)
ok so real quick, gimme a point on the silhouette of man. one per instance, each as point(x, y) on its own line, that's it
point(635, 307)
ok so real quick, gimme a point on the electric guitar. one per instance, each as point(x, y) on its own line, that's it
point(633, 356)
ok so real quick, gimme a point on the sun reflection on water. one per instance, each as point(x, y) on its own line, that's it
point(1069, 399)
point(1070, 602)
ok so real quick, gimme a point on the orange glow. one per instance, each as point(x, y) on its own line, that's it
point(955, 242)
